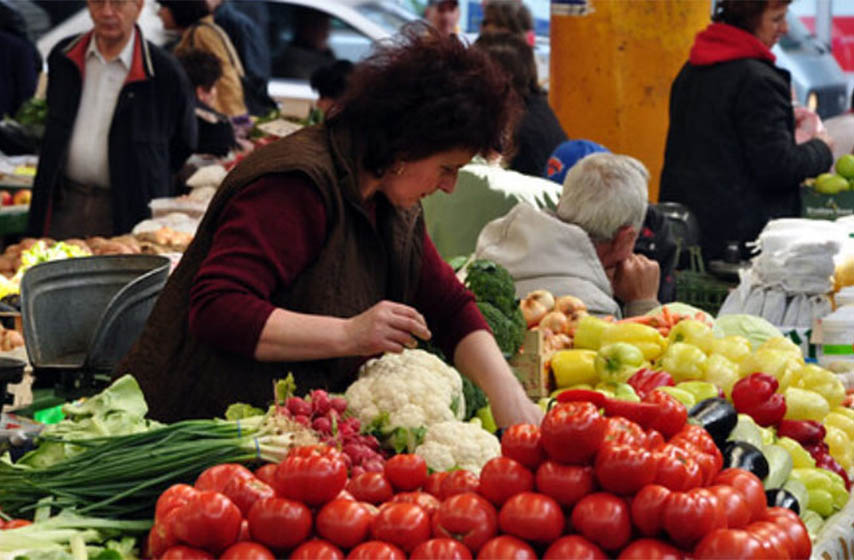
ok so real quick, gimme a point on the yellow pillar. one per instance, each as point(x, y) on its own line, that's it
point(611, 71)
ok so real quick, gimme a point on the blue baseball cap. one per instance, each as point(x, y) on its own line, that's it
point(565, 156)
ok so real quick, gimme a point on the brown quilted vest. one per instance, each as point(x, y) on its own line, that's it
point(360, 264)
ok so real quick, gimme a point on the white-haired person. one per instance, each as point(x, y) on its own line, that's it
point(584, 248)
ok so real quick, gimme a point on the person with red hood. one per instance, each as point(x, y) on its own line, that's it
point(731, 155)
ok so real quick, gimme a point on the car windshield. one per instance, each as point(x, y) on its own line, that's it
point(382, 16)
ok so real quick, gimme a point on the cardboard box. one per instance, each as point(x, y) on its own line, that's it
point(531, 366)
point(826, 206)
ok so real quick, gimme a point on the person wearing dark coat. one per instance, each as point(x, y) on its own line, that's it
point(20, 65)
point(539, 131)
point(112, 147)
point(216, 134)
point(731, 155)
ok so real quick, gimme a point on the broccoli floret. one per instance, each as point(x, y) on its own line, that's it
point(474, 397)
point(508, 333)
point(492, 283)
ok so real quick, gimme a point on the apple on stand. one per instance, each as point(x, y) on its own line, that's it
point(23, 196)
point(5, 198)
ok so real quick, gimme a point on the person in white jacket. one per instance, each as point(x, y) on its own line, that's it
point(584, 248)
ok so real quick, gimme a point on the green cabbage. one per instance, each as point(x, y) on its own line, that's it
point(755, 329)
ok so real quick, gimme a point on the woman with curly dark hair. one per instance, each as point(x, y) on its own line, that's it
point(731, 155)
point(313, 255)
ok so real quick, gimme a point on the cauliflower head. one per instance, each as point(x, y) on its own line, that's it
point(414, 388)
point(464, 445)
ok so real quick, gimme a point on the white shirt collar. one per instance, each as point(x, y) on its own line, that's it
point(125, 57)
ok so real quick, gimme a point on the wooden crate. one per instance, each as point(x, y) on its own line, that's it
point(531, 366)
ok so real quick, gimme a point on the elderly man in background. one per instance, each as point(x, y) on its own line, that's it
point(120, 122)
point(444, 15)
point(585, 248)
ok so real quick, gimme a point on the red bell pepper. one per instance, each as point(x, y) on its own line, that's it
point(645, 414)
point(582, 395)
point(645, 380)
point(805, 432)
point(756, 395)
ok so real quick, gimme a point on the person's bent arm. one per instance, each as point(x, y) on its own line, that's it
point(385, 327)
point(477, 357)
point(635, 283)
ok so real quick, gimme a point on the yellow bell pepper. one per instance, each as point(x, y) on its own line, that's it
point(773, 362)
point(701, 390)
point(822, 381)
point(783, 343)
point(734, 347)
point(680, 395)
point(588, 332)
point(845, 411)
point(841, 421)
point(487, 422)
point(722, 372)
point(574, 367)
point(802, 404)
point(691, 331)
point(840, 446)
point(621, 391)
point(801, 459)
point(644, 337)
point(819, 485)
point(617, 362)
point(684, 362)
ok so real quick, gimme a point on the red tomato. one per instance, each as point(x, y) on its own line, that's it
point(624, 469)
point(247, 551)
point(622, 430)
point(734, 504)
point(267, 473)
point(797, 531)
point(371, 487)
point(575, 547)
point(312, 479)
point(317, 549)
point(181, 552)
point(565, 483)
point(208, 520)
point(523, 443)
point(750, 487)
point(173, 497)
point(728, 543)
point(467, 518)
point(376, 550)
point(699, 437)
point(707, 454)
point(677, 469)
point(406, 472)
point(650, 549)
point(216, 477)
point(672, 413)
point(401, 524)
point(344, 523)
point(654, 439)
point(689, 516)
point(428, 502)
point(433, 485)
point(604, 519)
point(506, 547)
point(441, 549)
point(708, 464)
point(16, 523)
point(244, 535)
point(774, 539)
point(458, 482)
point(648, 509)
point(572, 432)
point(246, 491)
point(533, 517)
point(279, 523)
point(502, 477)
point(161, 536)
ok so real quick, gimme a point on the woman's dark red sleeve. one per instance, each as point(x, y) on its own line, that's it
point(268, 233)
point(447, 305)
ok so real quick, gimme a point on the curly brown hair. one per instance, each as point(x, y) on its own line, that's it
point(741, 14)
point(422, 93)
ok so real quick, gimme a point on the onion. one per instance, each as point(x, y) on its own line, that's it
point(535, 305)
point(569, 305)
point(555, 321)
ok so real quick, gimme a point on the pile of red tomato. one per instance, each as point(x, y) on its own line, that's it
point(580, 486)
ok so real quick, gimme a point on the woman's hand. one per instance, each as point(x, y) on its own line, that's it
point(386, 327)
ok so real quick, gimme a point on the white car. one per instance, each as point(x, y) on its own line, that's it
point(354, 26)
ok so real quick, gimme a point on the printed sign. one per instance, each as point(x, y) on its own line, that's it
point(572, 7)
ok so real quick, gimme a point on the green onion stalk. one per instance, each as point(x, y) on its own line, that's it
point(120, 477)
